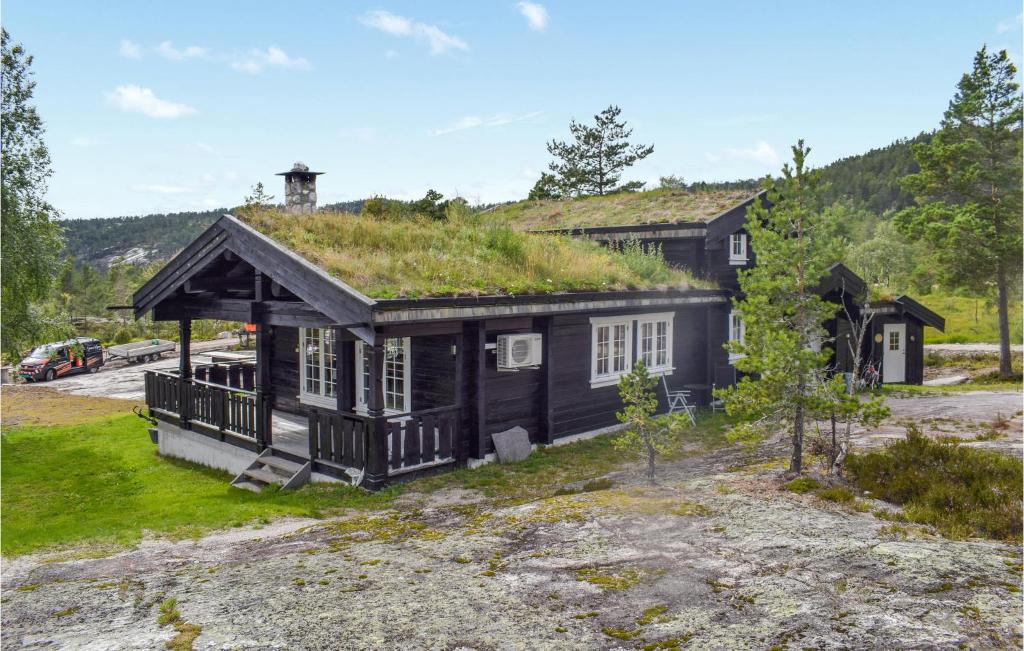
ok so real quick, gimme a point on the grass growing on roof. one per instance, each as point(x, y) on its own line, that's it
point(461, 256)
point(651, 207)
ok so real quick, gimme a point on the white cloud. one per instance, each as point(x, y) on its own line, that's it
point(203, 147)
point(168, 51)
point(536, 15)
point(157, 188)
point(472, 121)
point(273, 57)
point(1010, 25)
point(130, 49)
point(135, 99)
point(85, 141)
point(761, 153)
point(389, 23)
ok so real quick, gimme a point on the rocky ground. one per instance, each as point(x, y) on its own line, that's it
point(715, 556)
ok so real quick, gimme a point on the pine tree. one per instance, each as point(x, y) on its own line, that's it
point(969, 188)
point(782, 313)
point(546, 187)
point(32, 238)
point(647, 436)
point(593, 162)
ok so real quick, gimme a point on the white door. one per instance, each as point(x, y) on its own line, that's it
point(894, 352)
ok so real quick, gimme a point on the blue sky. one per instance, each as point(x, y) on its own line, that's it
point(159, 106)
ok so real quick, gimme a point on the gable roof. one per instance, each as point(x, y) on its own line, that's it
point(330, 296)
point(921, 313)
point(841, 278)
point(732, 220)
point(384, 258)
point(660, 206)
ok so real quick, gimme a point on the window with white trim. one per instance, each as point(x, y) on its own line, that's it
point(737, 332)
point(397, 396)
point(738, 248)
point(318, 367)
point(654, 341)
point(611, 349)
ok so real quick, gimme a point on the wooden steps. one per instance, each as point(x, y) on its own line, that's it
point(269, 468)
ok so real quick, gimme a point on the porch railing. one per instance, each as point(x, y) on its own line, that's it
point(237, 415)
point(339, 438)
point(420, 438)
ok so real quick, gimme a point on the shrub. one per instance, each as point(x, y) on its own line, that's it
point(803, 485)
point(839, 494)
point(959, 490)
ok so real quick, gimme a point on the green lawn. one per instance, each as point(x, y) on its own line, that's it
point(101, 482)
point(969, 320)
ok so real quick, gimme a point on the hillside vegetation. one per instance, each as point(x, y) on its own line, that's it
point(94, 241)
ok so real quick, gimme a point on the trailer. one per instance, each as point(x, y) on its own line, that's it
point(141, 351)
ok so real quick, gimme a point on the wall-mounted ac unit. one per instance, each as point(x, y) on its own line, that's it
point(519, 351)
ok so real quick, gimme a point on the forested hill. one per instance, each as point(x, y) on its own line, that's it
point(144, 239)
point(869, 181)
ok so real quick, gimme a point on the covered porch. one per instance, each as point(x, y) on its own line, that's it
point(328, 393)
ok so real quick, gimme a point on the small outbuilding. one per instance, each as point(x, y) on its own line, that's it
point(896, 341)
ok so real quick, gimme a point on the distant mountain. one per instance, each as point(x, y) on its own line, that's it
point(134, 239)
point(869, 180)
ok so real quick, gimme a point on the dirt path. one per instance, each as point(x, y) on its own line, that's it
point(715, 556)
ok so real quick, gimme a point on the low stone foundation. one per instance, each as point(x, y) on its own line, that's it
point(191, 446)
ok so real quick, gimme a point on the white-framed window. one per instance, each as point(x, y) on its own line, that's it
point(611, 349)
point(738, 248)
point(396, 378)
point(737, 332)
point(318, 367)
point(894, 339)
point(654, 341)
point(612, 345)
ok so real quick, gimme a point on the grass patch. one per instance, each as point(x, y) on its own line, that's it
point(959, 490)
point(969, 320)
point(462, 256)
point(589, 487)
point(187, 633)
point(101, 482)
point(803, 485)
point(659, 205)
point(840, 494)
point(549, 469)
point(620, 580)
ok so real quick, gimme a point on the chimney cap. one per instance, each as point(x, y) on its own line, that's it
point(299, 168)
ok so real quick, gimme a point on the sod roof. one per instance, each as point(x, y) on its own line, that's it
point(419, 257)
point(660, 206)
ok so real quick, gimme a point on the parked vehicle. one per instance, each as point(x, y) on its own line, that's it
point(51, 361)
point(141, 351)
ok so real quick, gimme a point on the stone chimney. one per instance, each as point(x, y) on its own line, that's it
point(299, 189)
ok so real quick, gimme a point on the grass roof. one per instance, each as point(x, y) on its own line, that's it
point(653, 207)
point(461, 256)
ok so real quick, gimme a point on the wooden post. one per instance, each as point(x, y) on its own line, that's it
point(264, 395)
point(458, 445)
point(184, 372)
point(547, 413)
point(475, 341)
point(377, 445)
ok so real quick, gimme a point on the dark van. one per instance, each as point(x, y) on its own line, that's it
point(51, 361)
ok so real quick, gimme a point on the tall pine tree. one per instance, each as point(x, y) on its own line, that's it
point(969, 188)
point(593, 162)
point(783, 315)
point(32, 239)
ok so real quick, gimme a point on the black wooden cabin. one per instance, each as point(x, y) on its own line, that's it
point(389, 388)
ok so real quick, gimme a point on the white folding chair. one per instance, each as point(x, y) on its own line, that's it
point(677, 401)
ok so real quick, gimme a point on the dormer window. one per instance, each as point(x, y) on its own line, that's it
point(738, 248)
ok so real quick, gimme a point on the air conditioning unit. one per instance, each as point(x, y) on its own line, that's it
point(519, 351)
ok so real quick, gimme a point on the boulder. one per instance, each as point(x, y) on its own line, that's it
point(512, 444)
